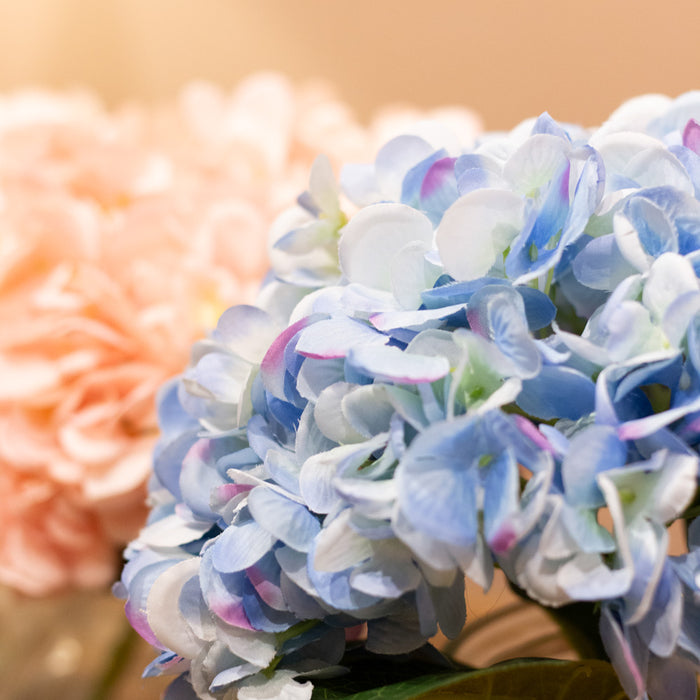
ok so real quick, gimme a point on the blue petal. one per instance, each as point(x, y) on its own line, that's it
point(456, 292)
point(168, 459)
point(199, 476)
point(501, 491)
point(529, 248)
point(557, 392)
point(591, 451)
point(437, 481)
point(600, 265)
point(334, 588)
point(546, 125)
point(240, 546)
point(287, 520)
point(180, 689)
point(539, 308)
point(413, 181)
point(262, 617)
point(439, 189)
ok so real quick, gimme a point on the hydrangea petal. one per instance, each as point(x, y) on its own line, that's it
point(393, 365)
point(240, 546)
point(335, 337)
point(374, 236)
point(288, 521)
point(476, 229)
point(163, 608)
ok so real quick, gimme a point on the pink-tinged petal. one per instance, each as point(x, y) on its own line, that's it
point(230, 611)
point(163, 612)
point(691, 136)
point(272, 368)
point(222, 495)
point(503, 539)
point(137, 619)
point(434, 179)
point(530, 430)
point(335, 337)
point(222, 596)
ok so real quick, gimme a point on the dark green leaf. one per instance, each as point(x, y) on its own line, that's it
point(516, 680)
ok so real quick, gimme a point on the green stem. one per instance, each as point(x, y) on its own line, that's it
point(121, 655)
point(579, 625)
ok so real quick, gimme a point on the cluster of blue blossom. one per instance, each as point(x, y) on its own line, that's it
point(494, 360)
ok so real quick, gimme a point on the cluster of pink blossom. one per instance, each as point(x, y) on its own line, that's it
point(123, 236)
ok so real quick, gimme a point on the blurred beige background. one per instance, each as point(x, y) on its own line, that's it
point(508, 59)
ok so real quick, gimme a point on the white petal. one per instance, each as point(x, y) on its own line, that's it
point(281, 686)
point(163, 613)
point(374, 236)
point(172, 531)
point(253, 646)
point(339, 546)
point(536, 162)
point(329, 416)
point(476, 229)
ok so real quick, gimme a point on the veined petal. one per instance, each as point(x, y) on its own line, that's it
point(374, 236)
point(240, 546)
point(339, 547)
point(476, 230)
point(287, 520)
point(247, 331)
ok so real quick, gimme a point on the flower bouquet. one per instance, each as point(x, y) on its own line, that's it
point(462, 360)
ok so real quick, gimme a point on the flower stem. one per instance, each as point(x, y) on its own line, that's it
point(119, 659)
point(578, 623)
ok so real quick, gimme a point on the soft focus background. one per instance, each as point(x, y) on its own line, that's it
point(507, 59)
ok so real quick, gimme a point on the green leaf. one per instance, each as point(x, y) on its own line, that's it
point(516, 680)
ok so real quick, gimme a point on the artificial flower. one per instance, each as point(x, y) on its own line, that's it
point(489, 358)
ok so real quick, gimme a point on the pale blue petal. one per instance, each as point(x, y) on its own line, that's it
point(287, 520)
point(389, 574)
point(600, 265)
point(629, 657)
point(595, 449)
point(240, 546)
point(395, 159)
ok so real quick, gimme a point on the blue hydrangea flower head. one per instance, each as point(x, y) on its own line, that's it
point(462, 359)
